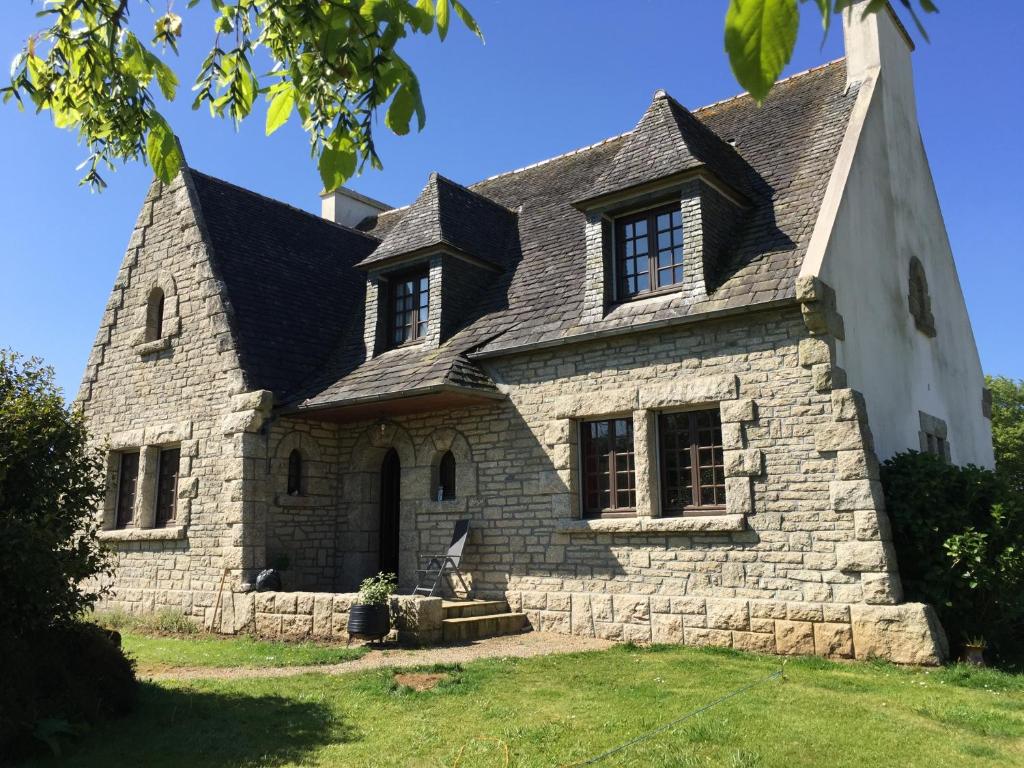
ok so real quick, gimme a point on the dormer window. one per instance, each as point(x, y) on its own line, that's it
point(649, 250)
point(410, 305)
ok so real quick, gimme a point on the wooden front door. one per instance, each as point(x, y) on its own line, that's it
point(390, 505)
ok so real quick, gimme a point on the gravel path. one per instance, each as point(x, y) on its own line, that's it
point(509, 646)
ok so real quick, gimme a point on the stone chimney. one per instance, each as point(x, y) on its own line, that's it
point(347, 207)
point(876, 42)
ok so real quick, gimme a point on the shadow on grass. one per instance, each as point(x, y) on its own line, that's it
point(190, 726)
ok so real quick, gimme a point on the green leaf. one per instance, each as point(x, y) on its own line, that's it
point(337, 165)
point(163, 151)
point(280, 109)
point(442, 18)
point(167, 79)
point(759, 38)
point(427, 15)
point(369, 9)
point(400, 112)
point(467, 19)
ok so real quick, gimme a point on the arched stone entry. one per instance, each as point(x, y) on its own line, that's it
point(390, 511)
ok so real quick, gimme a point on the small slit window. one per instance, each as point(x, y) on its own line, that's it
point(127, 483)
point(155, 315)
point(167, 486)
point(446, 477)
point(295, 473)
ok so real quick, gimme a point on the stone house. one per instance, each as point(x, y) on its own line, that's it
point(656, 373)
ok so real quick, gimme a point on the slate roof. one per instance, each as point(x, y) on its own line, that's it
point(287, 277)
point(669, 140)
point(782, 161)
point(448, 214)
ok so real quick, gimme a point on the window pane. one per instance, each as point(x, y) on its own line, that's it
point(409, 308)
point(167, 486)
point(685, 438)
point(127, 481)
point(609, 473)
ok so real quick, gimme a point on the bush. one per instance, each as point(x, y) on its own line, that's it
point(959, 536)
point(67, 677)
point(55, 671)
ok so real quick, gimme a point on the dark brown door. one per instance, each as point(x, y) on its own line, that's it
point(390, 504)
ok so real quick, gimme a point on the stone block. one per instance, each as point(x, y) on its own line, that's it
point(872, 525)
point(815, 350)
point(257, 400)
point(848, 405)
point(737, 410)
point(739, 498)
point(598, 402)
point(631, 609)
point(755, 642)
point(856, 465)
point(905, 634)
point(728, 614)
point(244, 421)
point(794, 638)
point(558, 432)
point(804, 612)
point(842, 436)
point(861, 556)
point(689, 391)
point(732, 435)
point(851, 495)
point(883, 588)
point(834, 641)
point(718, 638)
point(748, 463)
point(666, 628)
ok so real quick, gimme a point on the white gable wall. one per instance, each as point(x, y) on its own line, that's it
point(887, 213)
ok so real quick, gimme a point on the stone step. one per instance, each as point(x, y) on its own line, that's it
point(477, 627)
point(461, 609)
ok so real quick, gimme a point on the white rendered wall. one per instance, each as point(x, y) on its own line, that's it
point(888, 212)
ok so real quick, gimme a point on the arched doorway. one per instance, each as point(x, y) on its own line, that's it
point(390, 507)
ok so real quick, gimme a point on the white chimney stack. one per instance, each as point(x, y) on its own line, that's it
point(877, 42)
point(348, 208)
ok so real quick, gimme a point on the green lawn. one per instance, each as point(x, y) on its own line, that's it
point(155, 653)
point(558, 710)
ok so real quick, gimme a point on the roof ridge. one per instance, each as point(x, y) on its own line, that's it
point(795, 75)
point(622, 135)
point(282, 203)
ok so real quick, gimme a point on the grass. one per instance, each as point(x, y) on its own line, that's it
point(559, 710)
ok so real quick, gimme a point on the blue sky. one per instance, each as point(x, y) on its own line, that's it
point(553, 76)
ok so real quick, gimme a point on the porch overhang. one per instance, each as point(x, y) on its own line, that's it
point(442, 397)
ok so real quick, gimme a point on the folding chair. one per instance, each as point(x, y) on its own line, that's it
point(428, 578)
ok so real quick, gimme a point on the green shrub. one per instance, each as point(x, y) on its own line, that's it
point(377, 590)
point(959, 536)
point(55, 671)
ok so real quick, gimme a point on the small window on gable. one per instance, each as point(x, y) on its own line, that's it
point(919, 300)
point(155, 315)
point(408, 307)
point(446, 477)
point(649, 251)
point(295, 473)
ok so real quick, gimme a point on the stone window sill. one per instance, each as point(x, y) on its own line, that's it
point(152, 347)
point(652, 525)
point(171, 533)
point(284, 500)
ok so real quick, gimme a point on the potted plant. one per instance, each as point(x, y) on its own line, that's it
point(974, 651)
point(370, 617)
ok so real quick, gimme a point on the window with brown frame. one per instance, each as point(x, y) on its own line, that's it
point(166, 486)
point(609, 473)
point(410, 303)
point(692, 466)
point(127, 482)
point(649, 250)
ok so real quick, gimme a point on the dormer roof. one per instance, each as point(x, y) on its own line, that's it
point(668, 142)
point(447, 216)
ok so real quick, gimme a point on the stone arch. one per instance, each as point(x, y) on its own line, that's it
point(157, 310)
point(434, 447)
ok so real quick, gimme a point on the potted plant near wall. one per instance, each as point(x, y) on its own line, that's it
point(974, 651)
point(370, 617)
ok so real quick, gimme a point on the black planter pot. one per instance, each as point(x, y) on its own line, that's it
point(371, 622)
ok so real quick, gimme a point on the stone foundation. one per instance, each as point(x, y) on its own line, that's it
point(904, 634)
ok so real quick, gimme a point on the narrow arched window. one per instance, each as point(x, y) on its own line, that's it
point(155, 315)
point(446, 476)
point(295, 473)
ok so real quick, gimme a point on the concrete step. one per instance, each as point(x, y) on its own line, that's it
point(477, 627)
point(461, 609)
